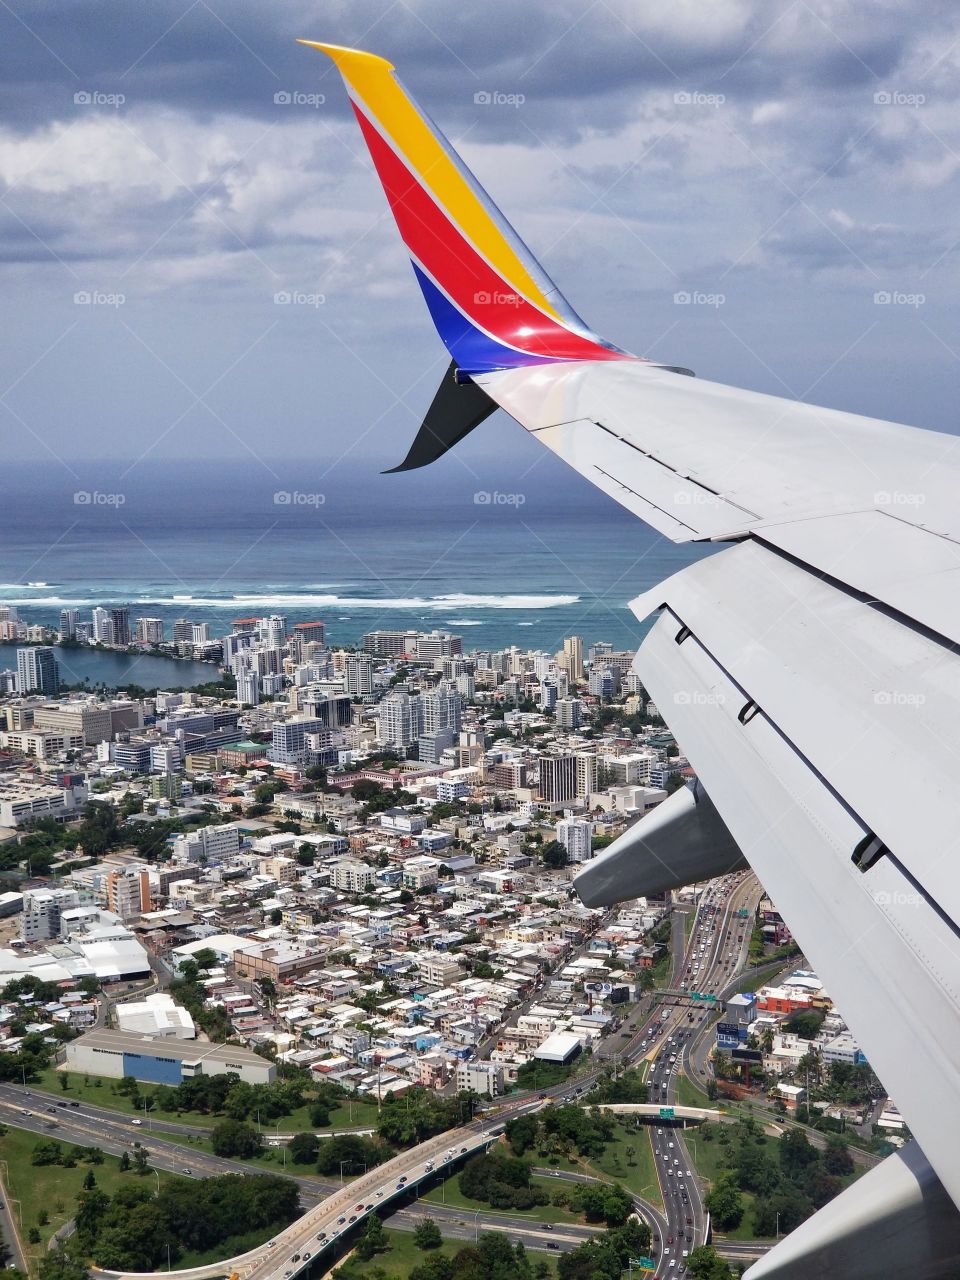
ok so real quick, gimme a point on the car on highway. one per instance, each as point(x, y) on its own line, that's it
point(552, 1244)
point(136, 1122)
point(188, 1172)
point(321, 1235)
point(353, 1219)
point(340, 1221)
point(306, 1256)
point(359, 1208)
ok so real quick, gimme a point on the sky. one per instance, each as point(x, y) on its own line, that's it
point(766, 193)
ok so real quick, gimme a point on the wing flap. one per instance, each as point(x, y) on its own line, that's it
point(886, 953)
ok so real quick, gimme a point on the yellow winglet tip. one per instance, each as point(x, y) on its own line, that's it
point(344, 57)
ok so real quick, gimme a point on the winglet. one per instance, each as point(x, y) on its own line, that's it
point(492, 303)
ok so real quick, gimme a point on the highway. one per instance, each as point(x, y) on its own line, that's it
point(332, 1212)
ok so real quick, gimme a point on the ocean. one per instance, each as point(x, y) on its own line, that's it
point(498, 556)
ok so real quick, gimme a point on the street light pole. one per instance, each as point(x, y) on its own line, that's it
point(476, 1225)
point(156, 1173)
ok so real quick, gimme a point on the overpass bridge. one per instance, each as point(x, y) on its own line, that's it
point(665, 1114)
point(298, 1246)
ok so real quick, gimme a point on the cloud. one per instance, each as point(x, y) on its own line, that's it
point(726, 147)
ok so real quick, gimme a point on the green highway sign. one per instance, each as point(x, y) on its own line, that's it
point(666, 1113)
point(647, 1264)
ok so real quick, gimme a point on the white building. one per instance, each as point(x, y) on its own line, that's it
point(157, 1015)
point(480, 1077)
point(576, 836)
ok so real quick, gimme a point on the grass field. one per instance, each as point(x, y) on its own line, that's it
point(403, 1256)
point(102, 1091)
point(32, 1188)
point(690, 1095)
point(638, 1173)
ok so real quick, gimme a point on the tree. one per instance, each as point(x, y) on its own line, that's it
point(796, 1153)
point(58, 1264)
point(705, 1263)
point(521, 1133)
point(303, 1148)
point(276, 916)
point(64, 1081)
point(125, 1162)
point(427, 1235)
point(837, 1158)
point(725, 1202)
point(89, 1181)
point(374, 1238)
point(234, 1138)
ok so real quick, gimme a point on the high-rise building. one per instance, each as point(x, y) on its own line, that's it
point(248, 688)
point(200, 633)
point(150, 631)
point(69, 620)
point(558, 778)
point(568, 712)
point(401, 721)
point(573, 655)
point(273, 631)
point(576, 836)
point(120, 618)
point(441, 708)
point(37, 671)
point(183, 631)
point(102, 626)
point(310, 631)
point(42, 909)
point(358, 674)
point(548, 695)
point(128, 892)
point(586, 774)
point(604, 682)
point(438, 644)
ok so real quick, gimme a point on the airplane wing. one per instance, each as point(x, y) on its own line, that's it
point(810, 670)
